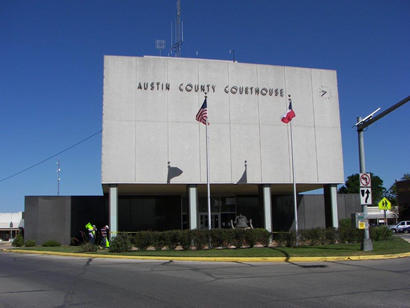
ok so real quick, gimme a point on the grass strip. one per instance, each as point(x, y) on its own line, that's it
point(393, 246)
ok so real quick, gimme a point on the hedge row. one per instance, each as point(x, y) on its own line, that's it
point(230, 237)
point(199, 239)
point(190, 238)
point(319, 236)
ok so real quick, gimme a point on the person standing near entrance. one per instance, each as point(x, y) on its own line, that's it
point(104, 236)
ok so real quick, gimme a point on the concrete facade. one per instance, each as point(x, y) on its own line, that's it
point(149, 120)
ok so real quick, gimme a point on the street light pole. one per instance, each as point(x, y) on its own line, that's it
point(361, 125)
point(367, 242)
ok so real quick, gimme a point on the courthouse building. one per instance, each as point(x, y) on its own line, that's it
point(154, 172)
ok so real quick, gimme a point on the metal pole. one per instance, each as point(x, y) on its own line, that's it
point(367, 242)
point(207, 176)
point(385, 217)
point(295, 205)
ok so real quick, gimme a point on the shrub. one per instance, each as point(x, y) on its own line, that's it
point(331, 235)
point(143, 239)
point(380, 233)
point(200, 238)
point(218, 237)
point(250, 237)
point(348, 233)
point(240, 238)
point(30, 243)
point(158, 240)
point(285, 238)
point(18, 241)
point(312, 237)
point(262, 236)
point(169, 239)
point(51, 243)
point(88, 247)
point(121, 243)
point(185, 239)
point(229, 237)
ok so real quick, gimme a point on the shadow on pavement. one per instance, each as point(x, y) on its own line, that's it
point(299, 265)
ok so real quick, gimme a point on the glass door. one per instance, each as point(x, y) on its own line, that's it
point(215, 220)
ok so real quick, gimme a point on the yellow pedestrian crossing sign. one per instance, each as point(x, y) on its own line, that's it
point(385, 204)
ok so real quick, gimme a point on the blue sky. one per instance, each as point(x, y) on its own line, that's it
point(51, 72)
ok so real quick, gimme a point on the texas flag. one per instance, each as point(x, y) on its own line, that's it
point(289, 115)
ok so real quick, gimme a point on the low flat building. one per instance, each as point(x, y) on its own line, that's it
point(10, 225)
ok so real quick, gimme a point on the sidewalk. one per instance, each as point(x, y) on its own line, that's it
point(5, 245)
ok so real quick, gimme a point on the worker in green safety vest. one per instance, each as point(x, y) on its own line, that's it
point(104, 234)
point(91, 232)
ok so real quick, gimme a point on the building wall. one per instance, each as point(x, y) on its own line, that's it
point(144, 129)
point(311, 210)
point(47, 218)
point(61, 218)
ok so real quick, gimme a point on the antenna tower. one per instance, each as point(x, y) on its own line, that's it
point(58, 177)
point(176, 48)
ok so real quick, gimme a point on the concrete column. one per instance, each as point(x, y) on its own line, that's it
point(193, 206)
point(267, 206)
point(332, 218)
point(113, 210)
point(333, 198)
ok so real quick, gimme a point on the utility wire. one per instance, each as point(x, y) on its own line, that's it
point(51, 156)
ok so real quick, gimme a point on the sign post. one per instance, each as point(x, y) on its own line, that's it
point(365, 198)
point(384, 204)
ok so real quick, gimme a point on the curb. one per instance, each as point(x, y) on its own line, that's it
point(218, 259)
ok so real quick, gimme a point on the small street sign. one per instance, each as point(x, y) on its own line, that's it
point(365, 196)
point(362, 225)
point(365, 180)
point(384, 204)
point(360, 221)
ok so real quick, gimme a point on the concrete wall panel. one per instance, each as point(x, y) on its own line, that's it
point(151, 152)
point(183, 151)
point(48, 218)
point(118, 153)
point(143, 129)
point(305, 157)
point(275, 154)
point(245, 145)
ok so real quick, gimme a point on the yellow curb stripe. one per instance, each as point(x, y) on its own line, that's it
point(217, 259)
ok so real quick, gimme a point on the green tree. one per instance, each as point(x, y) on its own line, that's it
point(391, 194)
point(352, 186)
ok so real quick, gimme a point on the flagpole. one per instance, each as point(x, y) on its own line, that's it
point(207, 174)
point(295, 205)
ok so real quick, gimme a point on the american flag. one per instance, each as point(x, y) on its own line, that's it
point(202, 115)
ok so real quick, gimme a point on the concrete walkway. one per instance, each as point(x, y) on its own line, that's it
point(5, 245)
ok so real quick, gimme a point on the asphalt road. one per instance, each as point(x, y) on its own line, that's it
point(47, 281)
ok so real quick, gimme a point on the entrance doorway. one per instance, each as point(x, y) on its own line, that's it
point(215, 220)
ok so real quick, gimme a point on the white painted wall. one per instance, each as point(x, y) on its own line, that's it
point(144, 129)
